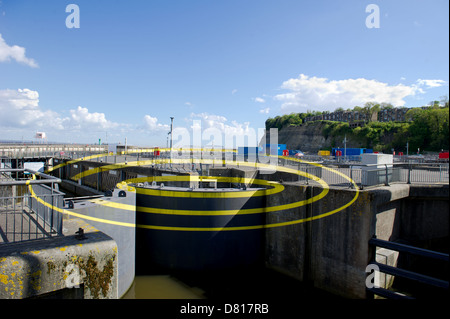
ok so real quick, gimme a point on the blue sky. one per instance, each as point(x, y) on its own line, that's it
point(228, 64)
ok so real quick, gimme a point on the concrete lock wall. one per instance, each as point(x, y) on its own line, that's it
point(100, 266)
point(120, 214)
point(332, 253)
point(60, 267)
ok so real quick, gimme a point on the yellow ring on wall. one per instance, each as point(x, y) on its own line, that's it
point(263, 210)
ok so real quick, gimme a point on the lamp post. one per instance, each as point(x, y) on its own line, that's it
point(345, 146)
point(171, 139)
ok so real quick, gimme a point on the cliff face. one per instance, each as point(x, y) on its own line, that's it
point(308, 138)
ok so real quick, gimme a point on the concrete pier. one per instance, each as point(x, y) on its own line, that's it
point(61, 267)
point(332, 253)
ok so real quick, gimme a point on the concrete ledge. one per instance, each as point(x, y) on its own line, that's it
point(82, 268)
point(114, 210)
point(387, 257)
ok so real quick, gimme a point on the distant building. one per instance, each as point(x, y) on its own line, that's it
point(393, 114)
point(358, 118)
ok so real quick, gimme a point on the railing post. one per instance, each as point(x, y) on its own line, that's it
point(409, 173)
point(52, 210)
point(386, 182)
point(351, 176)
point(307, 178)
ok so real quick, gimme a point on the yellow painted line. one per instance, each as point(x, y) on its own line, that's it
point(75, 161)
point(232, 211)
point(64, 211)
point(259, 210)
point(113, 204)
point(133, 151)
point(276, 187)
point(324, 192)
point(273, 225)
point(266, 209)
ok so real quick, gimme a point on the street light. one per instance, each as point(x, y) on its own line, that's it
point(171, 139)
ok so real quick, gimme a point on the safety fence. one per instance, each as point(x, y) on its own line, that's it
point(373, 174)
point(40, 151)
point(29, 207)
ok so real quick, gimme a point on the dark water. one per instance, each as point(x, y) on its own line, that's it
point(161, 287)
point(261, 285)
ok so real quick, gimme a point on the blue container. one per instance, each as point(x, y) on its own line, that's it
point(351, 151)
point(276, 148)
point(245, 150)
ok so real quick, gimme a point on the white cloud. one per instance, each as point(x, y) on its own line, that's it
point(21, 114)
point(265, 110)
point(324, 94)
point(234, 91)
point(430, 83)
point(14, 52)
point(82, 118)
point(259, 100)
point(211, 120)
point(223, 131)
point(151, 123)
point(20, 109)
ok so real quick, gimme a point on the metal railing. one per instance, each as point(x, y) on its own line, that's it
point(334, 174)
point(28, 207)
point(399, 272)
point(43, 150)
point(374, 174)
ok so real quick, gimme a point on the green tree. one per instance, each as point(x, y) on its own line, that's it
point(430, 128)
point(370, 108)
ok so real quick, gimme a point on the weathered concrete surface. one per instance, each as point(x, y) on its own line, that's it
point(390, 258)
point(411, 213)
point(332, 253)
point(285, 246)
point(74, 268)
point(120, 216)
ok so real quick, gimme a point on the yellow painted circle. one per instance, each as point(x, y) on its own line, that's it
point(124, 185)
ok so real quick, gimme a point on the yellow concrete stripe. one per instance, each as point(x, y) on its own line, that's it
point(267, 209)
point(232, 212)
point(64, 211)
point(276, 187)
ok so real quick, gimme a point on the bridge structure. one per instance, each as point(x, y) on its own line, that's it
point(324, 225)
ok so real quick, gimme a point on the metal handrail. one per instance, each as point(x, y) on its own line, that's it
point(47, 179)
point(395, 271)
point(30, 210)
